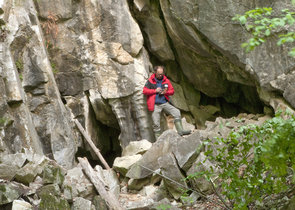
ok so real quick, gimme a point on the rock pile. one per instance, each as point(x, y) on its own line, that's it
point(147, 176)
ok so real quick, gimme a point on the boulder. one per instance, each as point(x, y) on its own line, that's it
point(136, 147)
point(53, 174)
point(51, 189)
point(172, 176)
point(123, 164)
point(137, 184)
point(8, 193)
point(201, 183)
point(28, 173)
point(51, 198)
point(8, 172)
point(99, 203)
point(149, 162)
point(81, 204)
point(17, 159)
point(21, 205)
point(186, 150)
point(50, 201)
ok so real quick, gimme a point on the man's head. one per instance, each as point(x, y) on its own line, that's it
point(159, 72)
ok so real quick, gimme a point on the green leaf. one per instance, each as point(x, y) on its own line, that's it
point(267, 32)
point(242, 19)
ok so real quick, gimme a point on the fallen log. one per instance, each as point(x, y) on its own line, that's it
point(99, 185)
point(90, 142)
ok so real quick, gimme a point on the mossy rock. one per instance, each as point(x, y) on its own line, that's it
point(99, 203)
point(49, 201)
point(53, 174)
point(8, 193)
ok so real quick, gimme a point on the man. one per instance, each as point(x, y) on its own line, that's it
point(158, 89)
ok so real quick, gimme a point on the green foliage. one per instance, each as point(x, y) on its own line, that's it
point(19, 65)
point(163, 207)
point(2, 121)
point(254, 161)
point(261, 23)
point(54, 68)
point(20, 77)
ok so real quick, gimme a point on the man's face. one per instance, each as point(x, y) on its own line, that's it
point(159, 73)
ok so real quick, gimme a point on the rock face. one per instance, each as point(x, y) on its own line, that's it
point(90, 60)
point(31, 109)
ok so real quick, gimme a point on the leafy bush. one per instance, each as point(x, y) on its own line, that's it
point(255, 161)
point(261, 23)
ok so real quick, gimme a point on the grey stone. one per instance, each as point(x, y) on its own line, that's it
point(137, 184)
point(178, 99)
point(203, 113)
point(123, 164)
point(35, 186)
point(28, 173)
point(59, 9)
point(149, 162)
point(99, 203)
point(21, 205)
point(81, 204)
point(69, 83)
point(76, 184)
point(41, 121)
point(187, 150)
point(50, 201)
point(164, 203)
point(8, 172)
point(201, 183)
point(53, 174)
point(102, 109)
point(51, 198)
point(147, 13)
point(17, 159)
point(51, 189)
point(136, 147)
point(144, 203)
point(172, 176)
point(8, 193)
point(149, 190)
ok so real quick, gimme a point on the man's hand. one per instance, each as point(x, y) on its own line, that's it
point(164, 91)
point(158, 90)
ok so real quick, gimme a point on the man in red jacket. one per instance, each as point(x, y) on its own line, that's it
point(158, 89)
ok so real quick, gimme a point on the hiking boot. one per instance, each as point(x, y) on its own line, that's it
point(179, 128)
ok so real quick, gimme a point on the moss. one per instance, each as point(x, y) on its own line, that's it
point(53, 174)
point(2, 121)
point(54, 68)
point(50, 202)
point(19, 65)
point(8, 193)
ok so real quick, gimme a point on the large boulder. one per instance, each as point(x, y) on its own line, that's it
point(123, 164)
point(136, 147)
point(186, 150)
point(172, 175)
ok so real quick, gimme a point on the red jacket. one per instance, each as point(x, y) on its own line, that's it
point(150, 91)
